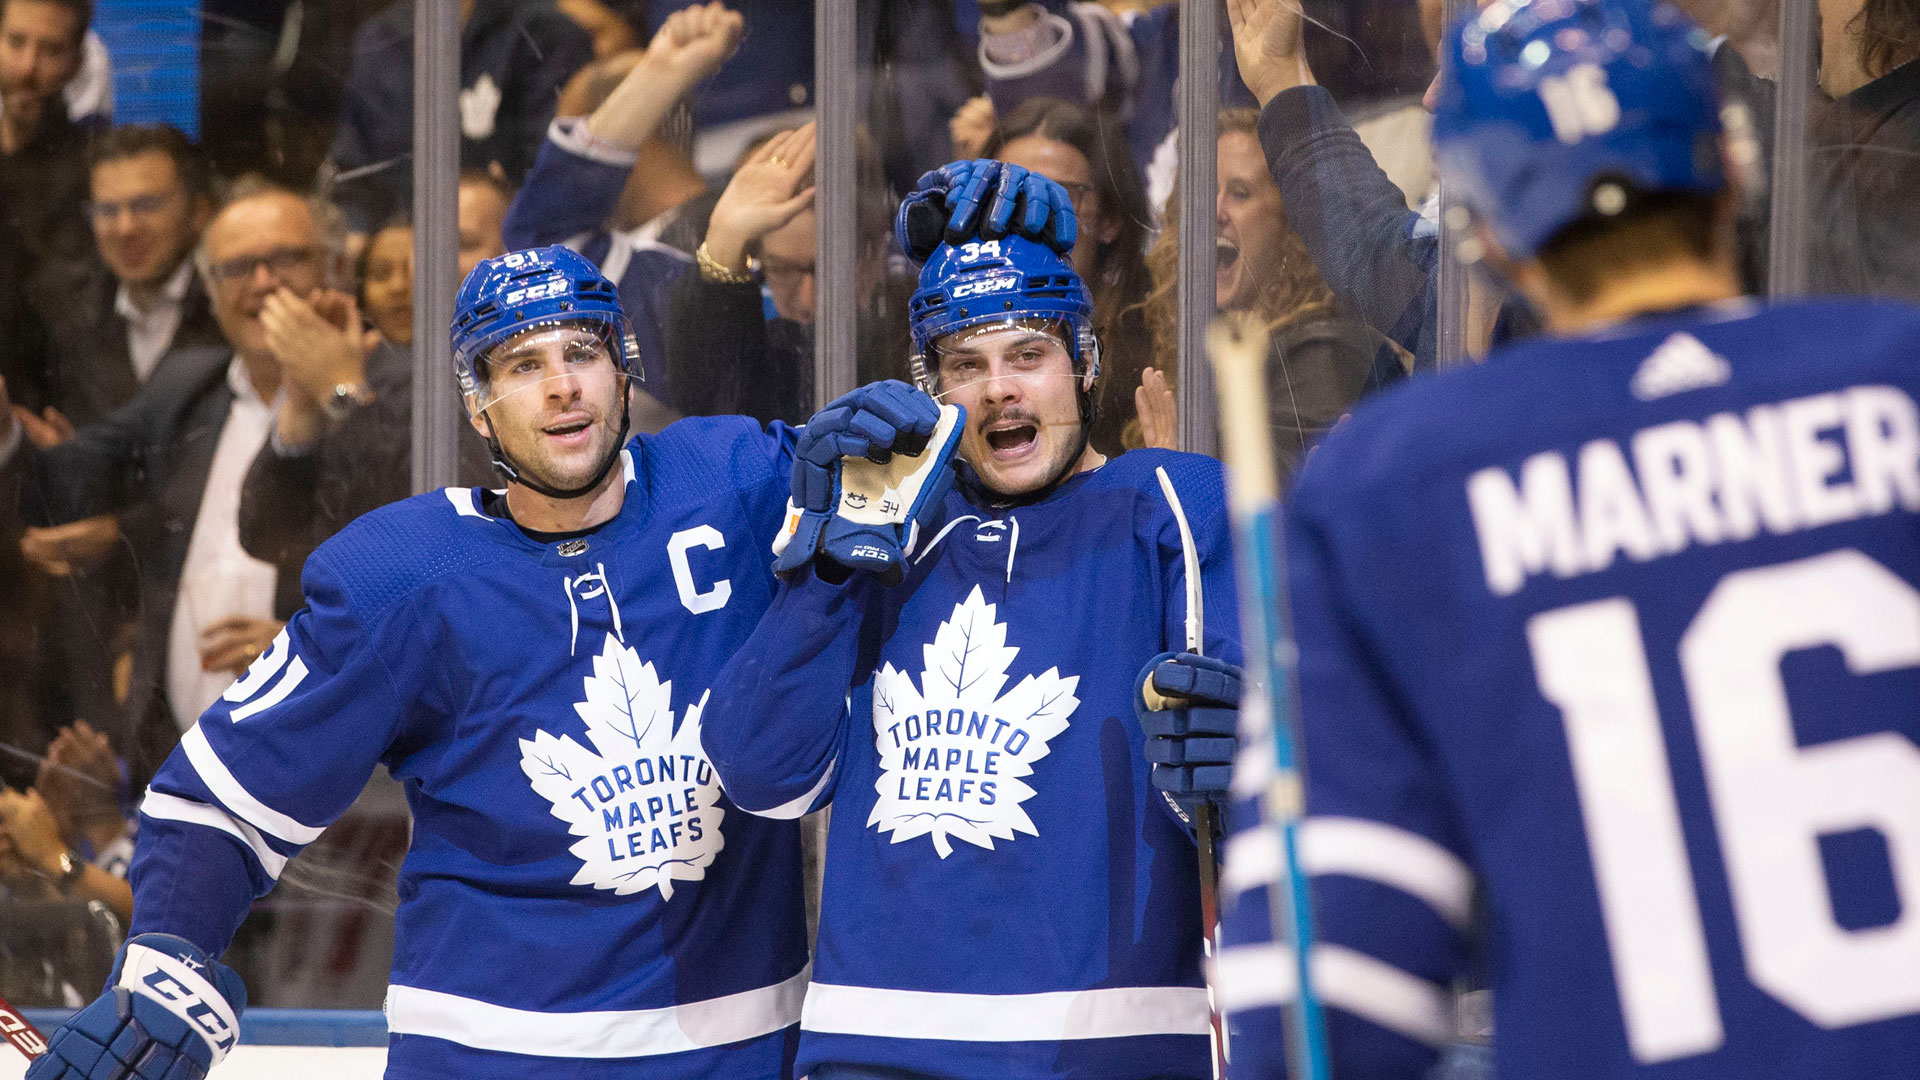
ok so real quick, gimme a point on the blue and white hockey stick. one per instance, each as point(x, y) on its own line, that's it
point(1237, 345)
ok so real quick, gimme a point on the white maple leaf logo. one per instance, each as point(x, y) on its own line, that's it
point(953, 752)
point(479, 105)
point(645, 800)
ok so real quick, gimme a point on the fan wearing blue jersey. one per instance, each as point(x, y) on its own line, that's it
point(1010, 887)
point(1609, 647)
point(579, 898)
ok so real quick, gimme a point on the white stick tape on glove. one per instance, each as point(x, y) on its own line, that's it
point(889, 494)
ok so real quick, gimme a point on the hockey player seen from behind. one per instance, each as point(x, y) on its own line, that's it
point(953, 663)
point(580, 897)
point(1618, 632)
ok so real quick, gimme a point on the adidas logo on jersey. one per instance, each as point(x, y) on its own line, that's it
point(1680, 363)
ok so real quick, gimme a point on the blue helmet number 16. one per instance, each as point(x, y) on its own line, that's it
point(1579, 103)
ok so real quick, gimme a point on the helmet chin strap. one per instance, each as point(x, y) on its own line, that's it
point(516, 475)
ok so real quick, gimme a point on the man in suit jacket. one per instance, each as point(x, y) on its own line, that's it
point(109, 318)
point(176, 454)
point(112, 318)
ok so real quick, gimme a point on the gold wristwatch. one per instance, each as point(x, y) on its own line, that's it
point(71, 869)
point(711, 270)
point(345, 398)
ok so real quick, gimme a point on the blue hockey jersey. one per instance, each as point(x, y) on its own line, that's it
point(577, 887)
point(1609, 652)
point(1005, 895)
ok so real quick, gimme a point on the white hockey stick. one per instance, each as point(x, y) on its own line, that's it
point(1203, 816)
point(1237, 345)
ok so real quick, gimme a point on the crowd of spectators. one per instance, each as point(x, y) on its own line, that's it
point(205, 363)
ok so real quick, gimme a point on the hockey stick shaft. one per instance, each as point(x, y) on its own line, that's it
point(1203, 817)
point(1237, 345)
point(24, 1036)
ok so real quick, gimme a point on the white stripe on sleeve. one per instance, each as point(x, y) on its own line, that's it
point(159, 804)
point(236, 798)
point(1358, 848)
point(1257, 976)
point(795, 808)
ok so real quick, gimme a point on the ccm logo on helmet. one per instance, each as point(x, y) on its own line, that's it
point(557, 286)
point(998, 284)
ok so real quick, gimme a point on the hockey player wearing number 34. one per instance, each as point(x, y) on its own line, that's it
point(1619, 630)
point(579, 899)
point(1008, 892)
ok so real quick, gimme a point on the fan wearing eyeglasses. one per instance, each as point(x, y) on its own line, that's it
point(170, 462)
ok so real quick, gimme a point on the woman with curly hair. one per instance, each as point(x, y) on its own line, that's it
point(1322, 361)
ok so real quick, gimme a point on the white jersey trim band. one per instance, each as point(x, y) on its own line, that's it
point(626, 1033)
point(1108, 1013)
point(1261, 976)
point(165, 807)
point(236, 798)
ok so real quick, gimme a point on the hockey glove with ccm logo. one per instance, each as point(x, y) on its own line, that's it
point(1189, 707)
point(170, 1013)
point(982, 199)
point(866, 470)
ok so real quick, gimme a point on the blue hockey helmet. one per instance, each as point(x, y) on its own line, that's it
point(510, 294)
point(1012, 279)
point(1554, 110)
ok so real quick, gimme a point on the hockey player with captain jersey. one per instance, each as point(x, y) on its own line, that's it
point(1619, 631)
point(1009, 890)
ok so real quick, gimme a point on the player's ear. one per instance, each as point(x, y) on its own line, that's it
point(478, 417)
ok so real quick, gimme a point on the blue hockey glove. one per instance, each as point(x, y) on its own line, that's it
point(981, 199)
point(171, 1013)
point(879, 508)
point(1189, 707)
point(864, 471)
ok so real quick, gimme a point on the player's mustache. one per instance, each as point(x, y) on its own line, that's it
point(1009, 414)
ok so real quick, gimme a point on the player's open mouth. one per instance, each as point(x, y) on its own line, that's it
point(571, 431)
point(1012, 440)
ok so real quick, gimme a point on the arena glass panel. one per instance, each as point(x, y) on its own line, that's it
point(317, 97)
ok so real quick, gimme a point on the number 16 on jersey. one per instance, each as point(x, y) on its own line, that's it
point(1772, 799)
